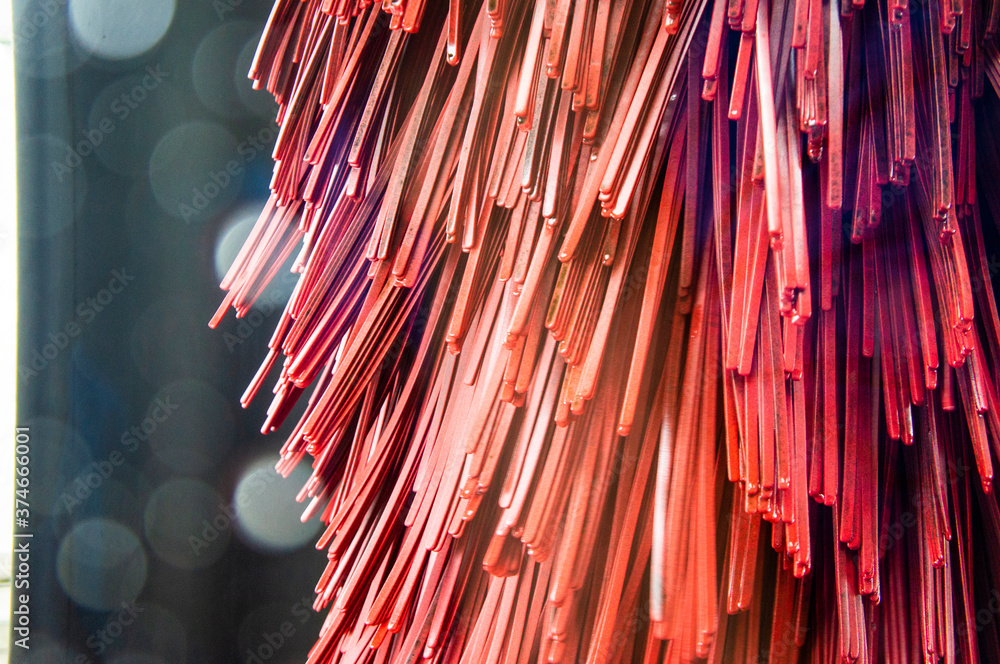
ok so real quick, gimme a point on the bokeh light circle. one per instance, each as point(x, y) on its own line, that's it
point(187, 524)
point(269, 516)
point(230, 240)
point(120, 29)
point(196, 170)
point(189, 426)
point(259, 102)
point(216, 68)
point(232, 236)
point(101, 564)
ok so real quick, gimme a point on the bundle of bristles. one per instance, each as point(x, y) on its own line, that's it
point(639, 330)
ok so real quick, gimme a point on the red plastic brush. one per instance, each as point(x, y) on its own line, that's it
point(641, 330)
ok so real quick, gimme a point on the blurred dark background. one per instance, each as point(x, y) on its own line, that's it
point(161, 533)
